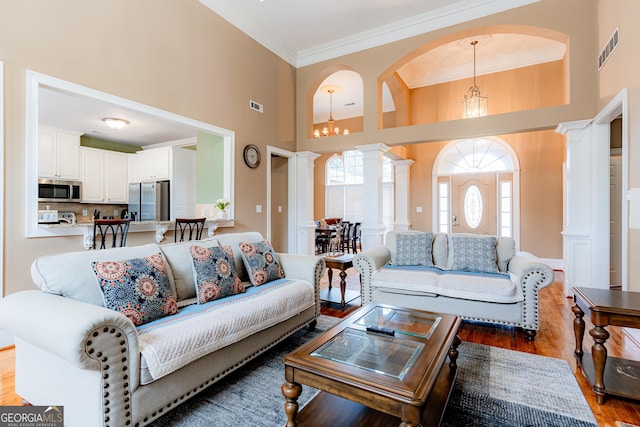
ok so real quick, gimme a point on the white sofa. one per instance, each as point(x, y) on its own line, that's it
point(72, 351)
point(503, 290)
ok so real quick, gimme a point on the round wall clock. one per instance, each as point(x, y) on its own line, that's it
point(251, 156)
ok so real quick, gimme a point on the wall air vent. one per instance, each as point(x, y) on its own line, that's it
point(606, 52)
point(256, 106)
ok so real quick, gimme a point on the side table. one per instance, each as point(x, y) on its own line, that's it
point(606, 307)
point(342, 263)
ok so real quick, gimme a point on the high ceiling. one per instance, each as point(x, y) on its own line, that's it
point(302, 35)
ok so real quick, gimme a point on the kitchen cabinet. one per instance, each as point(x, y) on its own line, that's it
point(58, 153)
point(152, 165)
point(116, 182)
point(104, 176)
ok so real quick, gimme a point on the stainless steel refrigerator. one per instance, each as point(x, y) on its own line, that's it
point(149, 201)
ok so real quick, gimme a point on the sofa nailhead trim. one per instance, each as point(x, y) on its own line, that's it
point(232, 368)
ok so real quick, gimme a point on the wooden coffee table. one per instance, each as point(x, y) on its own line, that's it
point(370, 377)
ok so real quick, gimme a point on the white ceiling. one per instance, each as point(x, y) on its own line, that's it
point(303, 35)
point(84, 115)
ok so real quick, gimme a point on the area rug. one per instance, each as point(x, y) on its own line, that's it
point(495, 387)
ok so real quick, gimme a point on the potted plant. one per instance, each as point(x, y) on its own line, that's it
point(222, 205)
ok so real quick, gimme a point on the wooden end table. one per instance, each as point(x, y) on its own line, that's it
point(370, 377)
point(606, 307)
point(342, 263)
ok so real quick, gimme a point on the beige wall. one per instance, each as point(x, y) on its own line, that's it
point(373, 63)
point(529, 132)
point(621, 71)
point(540, 155)
point(506, 91)
point(173, 55)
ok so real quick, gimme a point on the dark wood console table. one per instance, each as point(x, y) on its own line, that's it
point(605, 307)
point(342, 263)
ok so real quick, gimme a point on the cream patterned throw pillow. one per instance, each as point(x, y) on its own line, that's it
point(413, 249)
point(474, 253)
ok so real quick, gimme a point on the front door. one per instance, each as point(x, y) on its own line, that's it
point(473, 204)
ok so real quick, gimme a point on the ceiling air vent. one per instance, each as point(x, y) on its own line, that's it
point(606, 52)
point(256, 106)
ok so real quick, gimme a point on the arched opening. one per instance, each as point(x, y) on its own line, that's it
point(517, 67)
point(476, 188)
point(336, 103)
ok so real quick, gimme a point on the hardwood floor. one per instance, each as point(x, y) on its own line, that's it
point(554, 339)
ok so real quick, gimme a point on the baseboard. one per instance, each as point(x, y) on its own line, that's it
point(6, 339)
point(555, 264)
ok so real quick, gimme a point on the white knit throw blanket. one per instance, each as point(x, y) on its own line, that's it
point(174, 341)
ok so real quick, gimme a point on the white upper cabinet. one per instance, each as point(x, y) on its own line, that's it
point(92, 175)
point(117, 185)
point(104, 176)
point(58, 152)
point(152, 165)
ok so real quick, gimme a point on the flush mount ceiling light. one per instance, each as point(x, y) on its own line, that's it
point(474, 105)
point(331, 130)
point(115, 123)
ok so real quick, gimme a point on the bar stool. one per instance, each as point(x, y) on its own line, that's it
point(194, 226)
point(110, 227)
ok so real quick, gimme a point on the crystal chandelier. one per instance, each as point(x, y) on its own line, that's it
point(330, 130)
point(474, 105)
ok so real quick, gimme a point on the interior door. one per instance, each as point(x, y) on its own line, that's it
point(615, 227)
point(473, 204)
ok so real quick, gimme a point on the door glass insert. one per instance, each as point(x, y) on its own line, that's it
point(473, 206)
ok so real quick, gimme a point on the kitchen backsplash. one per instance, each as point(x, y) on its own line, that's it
point(79, 208)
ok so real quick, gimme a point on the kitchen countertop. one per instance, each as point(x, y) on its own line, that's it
point(160, 227)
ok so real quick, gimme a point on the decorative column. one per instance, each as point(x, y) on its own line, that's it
point(305, 230)
point(401, 167)
point(372, 224)
point(583, 263)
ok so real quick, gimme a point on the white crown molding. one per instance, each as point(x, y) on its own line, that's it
point(406, 28)
point(247, 26)
point(419, 24)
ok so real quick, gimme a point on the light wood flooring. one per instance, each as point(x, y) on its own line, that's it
point(554, 339)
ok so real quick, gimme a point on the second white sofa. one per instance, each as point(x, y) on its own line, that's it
point(476, 277)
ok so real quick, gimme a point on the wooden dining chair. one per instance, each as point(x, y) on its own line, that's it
point(110, 230)
point(356, 237)
point(191, 228)
point(344, 239)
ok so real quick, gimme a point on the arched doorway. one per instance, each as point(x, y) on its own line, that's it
point(476, 188)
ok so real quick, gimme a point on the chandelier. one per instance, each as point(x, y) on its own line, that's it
point(474, 105)
point(331, 130)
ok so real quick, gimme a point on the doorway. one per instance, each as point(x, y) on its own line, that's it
point(281, 199)
point(476, 188)
point(473, 204)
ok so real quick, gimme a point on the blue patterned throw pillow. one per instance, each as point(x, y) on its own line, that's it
point(414, 249)
point(261, 262)
point(474, 253)
point(139, 288)
point(214, 273)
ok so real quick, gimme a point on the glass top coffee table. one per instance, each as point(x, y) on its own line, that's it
point(392, 360)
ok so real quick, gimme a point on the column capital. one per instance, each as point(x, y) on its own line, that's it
point(567, 127)
point(403, 162)
point(379, 147)
point(310, 155)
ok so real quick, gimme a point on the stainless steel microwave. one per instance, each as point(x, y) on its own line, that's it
point(54, 190)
